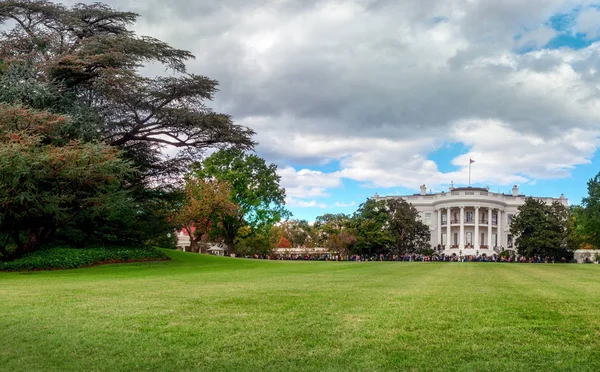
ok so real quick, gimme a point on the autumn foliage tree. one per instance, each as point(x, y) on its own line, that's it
point(206, 204)
point(284, 243)
point(46, 182)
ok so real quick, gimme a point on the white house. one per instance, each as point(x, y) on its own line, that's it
point(469, 220)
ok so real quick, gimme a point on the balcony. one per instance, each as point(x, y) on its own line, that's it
point(467, 221)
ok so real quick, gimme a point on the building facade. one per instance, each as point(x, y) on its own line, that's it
point(469, 220)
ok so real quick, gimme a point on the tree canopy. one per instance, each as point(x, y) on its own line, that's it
point(589, 216)
point(206, 204)
point(89, 51)
point(46, 183)
point(391, 226)
point(540, 229)
point(255, 190)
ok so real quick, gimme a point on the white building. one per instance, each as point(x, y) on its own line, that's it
point(469, 220)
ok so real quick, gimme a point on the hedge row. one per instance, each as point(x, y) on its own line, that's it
point(71, 258)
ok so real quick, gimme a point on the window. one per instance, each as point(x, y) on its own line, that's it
point(494, 240)
point(482, 241)
point(469, 238)
point(427, 219)
point(444, 219)
point(509, 241)
point(444, 239)
point(469, 217)
point(510, 217)
point(455, 238)
point(494, 219)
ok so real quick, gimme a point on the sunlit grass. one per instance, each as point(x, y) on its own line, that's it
point(210, 313)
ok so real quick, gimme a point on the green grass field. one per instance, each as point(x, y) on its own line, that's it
point(210, 313)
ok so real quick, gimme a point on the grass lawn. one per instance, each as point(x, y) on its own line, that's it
point(210, 313)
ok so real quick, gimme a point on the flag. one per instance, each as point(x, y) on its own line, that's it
point(471, 161)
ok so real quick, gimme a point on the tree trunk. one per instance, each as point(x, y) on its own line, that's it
point(36, 238)
point(229, 244)
point(193, 245)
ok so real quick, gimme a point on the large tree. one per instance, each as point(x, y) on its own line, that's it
point(589, 217)
point(391, 226)
point(541, 229)
point(372, 222)
point(410, 234)
point(254, 188)
point(89, 51)
point(336, 232)
point(47, 182)
point(298, 232)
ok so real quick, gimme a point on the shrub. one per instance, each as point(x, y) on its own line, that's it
point(71, 258)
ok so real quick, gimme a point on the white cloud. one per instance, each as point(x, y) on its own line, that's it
point(536, 38)
point(293, 202)
point(378, 85)
point(345, 205)
point(588, 22)
point(306, 183)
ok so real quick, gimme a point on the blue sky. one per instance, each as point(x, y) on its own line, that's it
point(353, 97)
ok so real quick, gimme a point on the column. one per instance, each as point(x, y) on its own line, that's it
point(489, 228)
point(439, 226)
point(462, 227)
point(448, 229)
point(476, 237)
point(499, 229)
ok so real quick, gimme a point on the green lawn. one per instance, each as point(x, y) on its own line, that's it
point(210, 313)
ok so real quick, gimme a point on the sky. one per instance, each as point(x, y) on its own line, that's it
point(356, 97)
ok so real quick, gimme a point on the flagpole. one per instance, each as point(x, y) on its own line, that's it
point(470, 172)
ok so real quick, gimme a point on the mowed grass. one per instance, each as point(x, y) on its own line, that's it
point(208, 313)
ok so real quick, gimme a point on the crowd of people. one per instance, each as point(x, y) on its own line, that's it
point(411, 258)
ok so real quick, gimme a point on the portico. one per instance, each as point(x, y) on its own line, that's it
point(467, 227)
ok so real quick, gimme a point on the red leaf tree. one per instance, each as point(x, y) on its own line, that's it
point(284, 243)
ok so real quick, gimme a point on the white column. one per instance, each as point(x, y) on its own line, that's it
point(499, 229)
point(439, 226)
point(462, 228)
point(489, 239)
point(476, 237)
point(448, 228)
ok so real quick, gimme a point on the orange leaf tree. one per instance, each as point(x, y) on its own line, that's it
point(205, 205)
point(284, 243)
